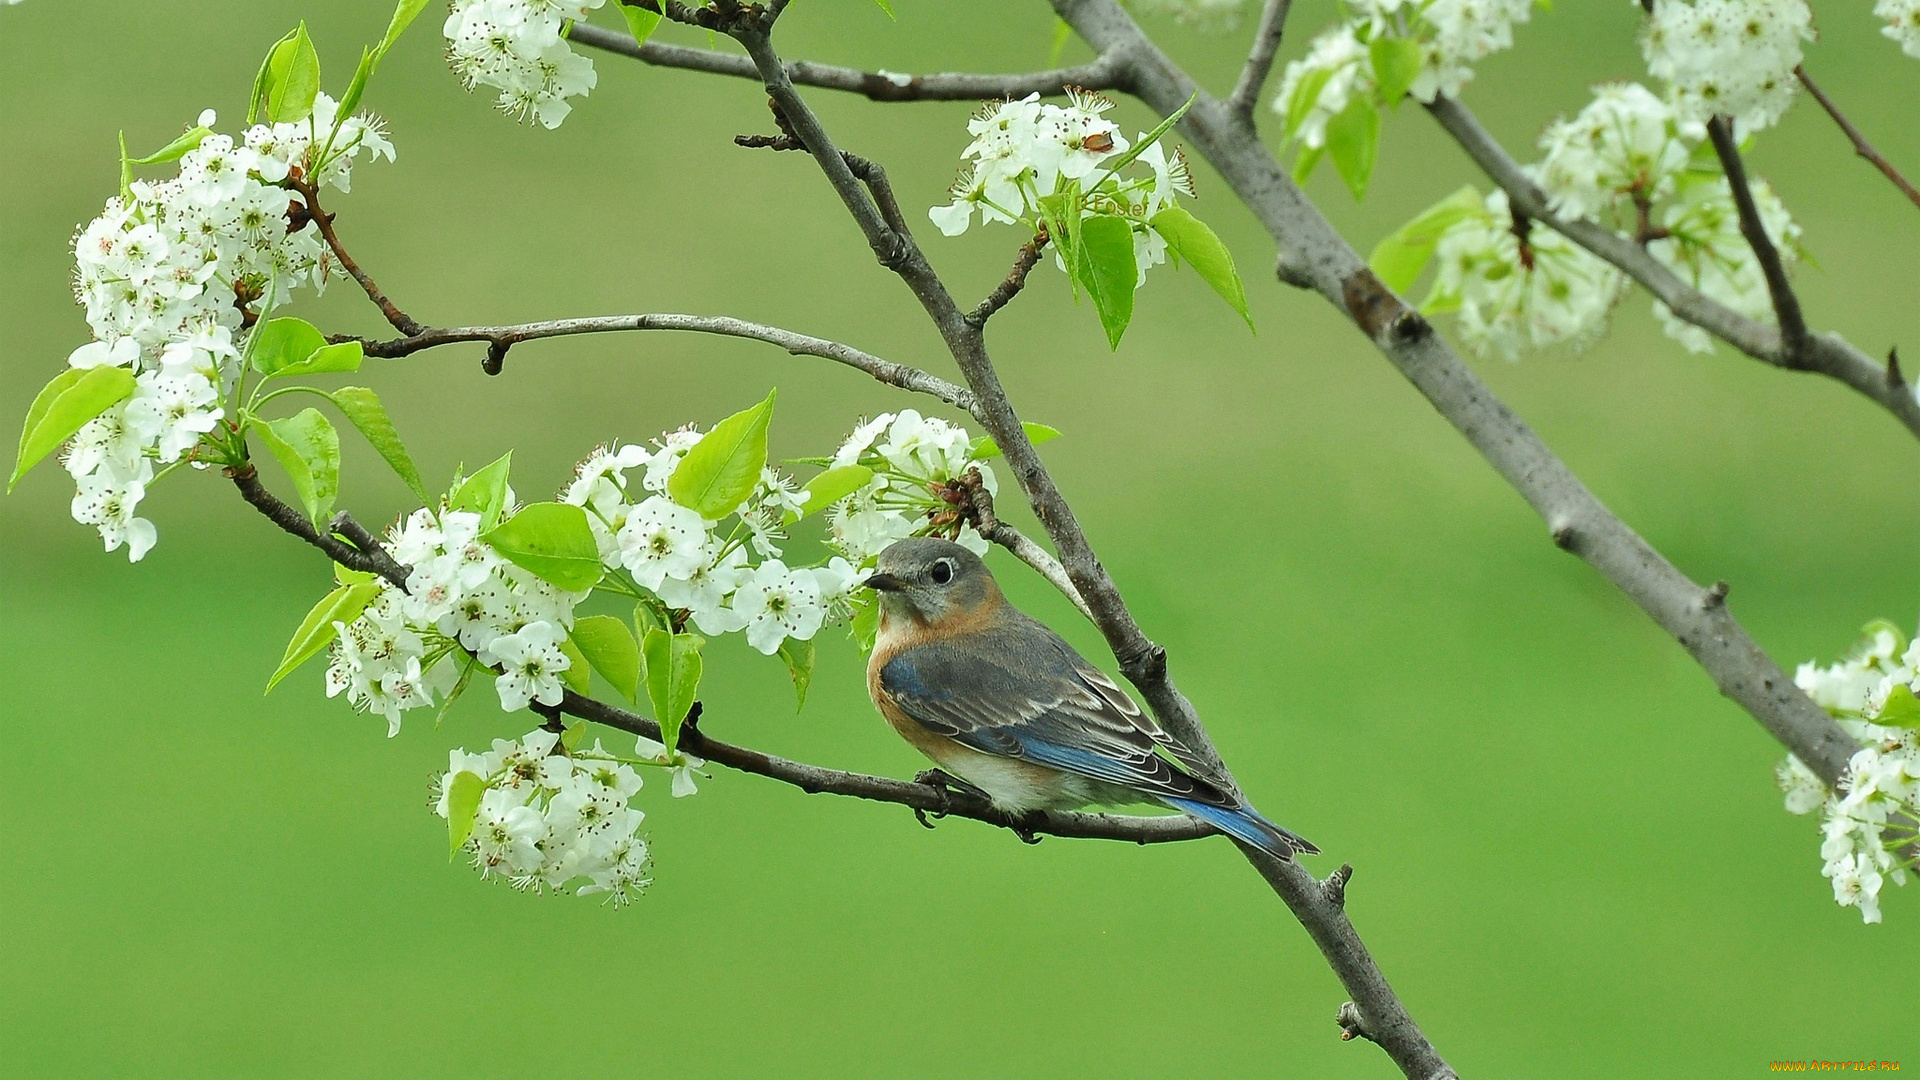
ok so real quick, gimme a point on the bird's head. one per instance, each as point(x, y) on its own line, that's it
point(929, 579)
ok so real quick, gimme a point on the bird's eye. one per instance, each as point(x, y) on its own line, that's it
point(942, 572)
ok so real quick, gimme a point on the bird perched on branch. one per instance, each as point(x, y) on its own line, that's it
point(1005, 705)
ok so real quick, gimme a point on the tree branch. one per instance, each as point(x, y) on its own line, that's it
point(1786, 306)
point(372, 560)
point(1825, 353)
point(1102, 73)
point(1266, 42)
point(978, 509)
point(1003, 293)
point(1860, 144)
point(503, 337)
point(310, 193)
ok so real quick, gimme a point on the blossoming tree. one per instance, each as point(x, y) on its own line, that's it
point(191, 275)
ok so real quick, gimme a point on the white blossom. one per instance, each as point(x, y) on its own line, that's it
point(1624, 146)
point(662, 539)
point(1707, 251)
point(776, 603)
point(1903, 23)
point(516, 47)
point(530, 661)
point(1728, 57)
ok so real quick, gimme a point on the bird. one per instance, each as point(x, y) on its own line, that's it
point(1004, 704)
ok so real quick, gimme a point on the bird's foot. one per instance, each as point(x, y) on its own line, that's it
point(1023, 828)
point(944, 784)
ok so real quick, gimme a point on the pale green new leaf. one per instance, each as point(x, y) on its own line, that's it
point(1396, 64)
point(282, 343)
point(1306, 94)
point(1902, 709)
point(578, 677)
point(1062, 33)
point(349, 101)
point(316, 632)
point(363, 410)
point(722, 469)
point(1190, 238)
point(263, 82)
point(643, 17)
point(551, 541)
point(1108, 271)
point(308, 448)
point(798, 656)
point(985, 449)
point(886, 6)
point(1304, 162)
point(485, 492)
point(327, 359)
point(403, 15)
point(833, 485)
point(1398, 259)
point(866, 623)
point(63, 407)
point(464, 790)
point(611, 650)
point(1150, 137)
point(1353, 139)
point(295, 79)
point(176, 149)
point(673, 680)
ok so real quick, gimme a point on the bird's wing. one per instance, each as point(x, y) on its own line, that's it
point(1017, 690)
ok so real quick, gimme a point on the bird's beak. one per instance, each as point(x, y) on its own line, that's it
point(884, 583)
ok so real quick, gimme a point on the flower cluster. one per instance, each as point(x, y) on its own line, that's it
point(516, 47)
point(1871, 695)
point(1728, 57)
point(1903, 23)
point(1024, 151)
point(1453, 35)
point(1516, 290)
point(464, 607)
point(700, 566)
point(1704, 246)
point(913, 458)
point(1623, 151)
point(548, 816)
point(168, 274)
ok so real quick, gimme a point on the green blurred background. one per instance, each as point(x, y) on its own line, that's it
point(1571, 858)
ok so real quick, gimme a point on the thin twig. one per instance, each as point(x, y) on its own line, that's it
point(1860, 144)
point(1016, 279)
point(886, 371)
point(1266, 42)
point(1102, 73)
point(978, 509)
point(247, 479)
point(1786, 306)
point(309, 192)
point(1825, 353)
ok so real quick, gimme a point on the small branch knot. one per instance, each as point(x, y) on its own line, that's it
point(1335, 887)
point(1410, 328)
point(1715, 596)
point(496, 358)
point(1352, 1024)
point(1895, 380)
point(1564, 535)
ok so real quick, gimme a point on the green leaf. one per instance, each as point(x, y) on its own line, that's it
point(363, 410)
point(1396, 64)
point(610, 648)
point(63, 407)
point(1107, 270)
point(316, 632)
point(552, 542)
point(650, 614)
point(578, 676)
point(283, 343)
point(1873, 630)
point(1062, 33)
point(1902, 709)
point(485, 492)
point(673, 680)
point(308, 448)
point(369, 59)
point(573, 734)
point(985, 449)
point(348, 576)
point(643, 17)
point(1306, 94)
point(866, 623)
point(327, 359)
point(176, 149)
point(1061, 212)
point(799, 659)
point(1399, 259)
point(463, 805)
point(403, 15)
point(1188, 237)
point(722, 469)
point(833, 485)
point(263, 82)
point(1304, 162)
point(1353, 138)
point(886, 6)
point(294, 79)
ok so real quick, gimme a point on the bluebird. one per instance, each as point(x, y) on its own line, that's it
point(1004, 704)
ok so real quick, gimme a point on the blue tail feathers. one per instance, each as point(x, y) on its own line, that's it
point(1248, 826)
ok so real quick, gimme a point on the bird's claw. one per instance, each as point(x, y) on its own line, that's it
point(1024, 831)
